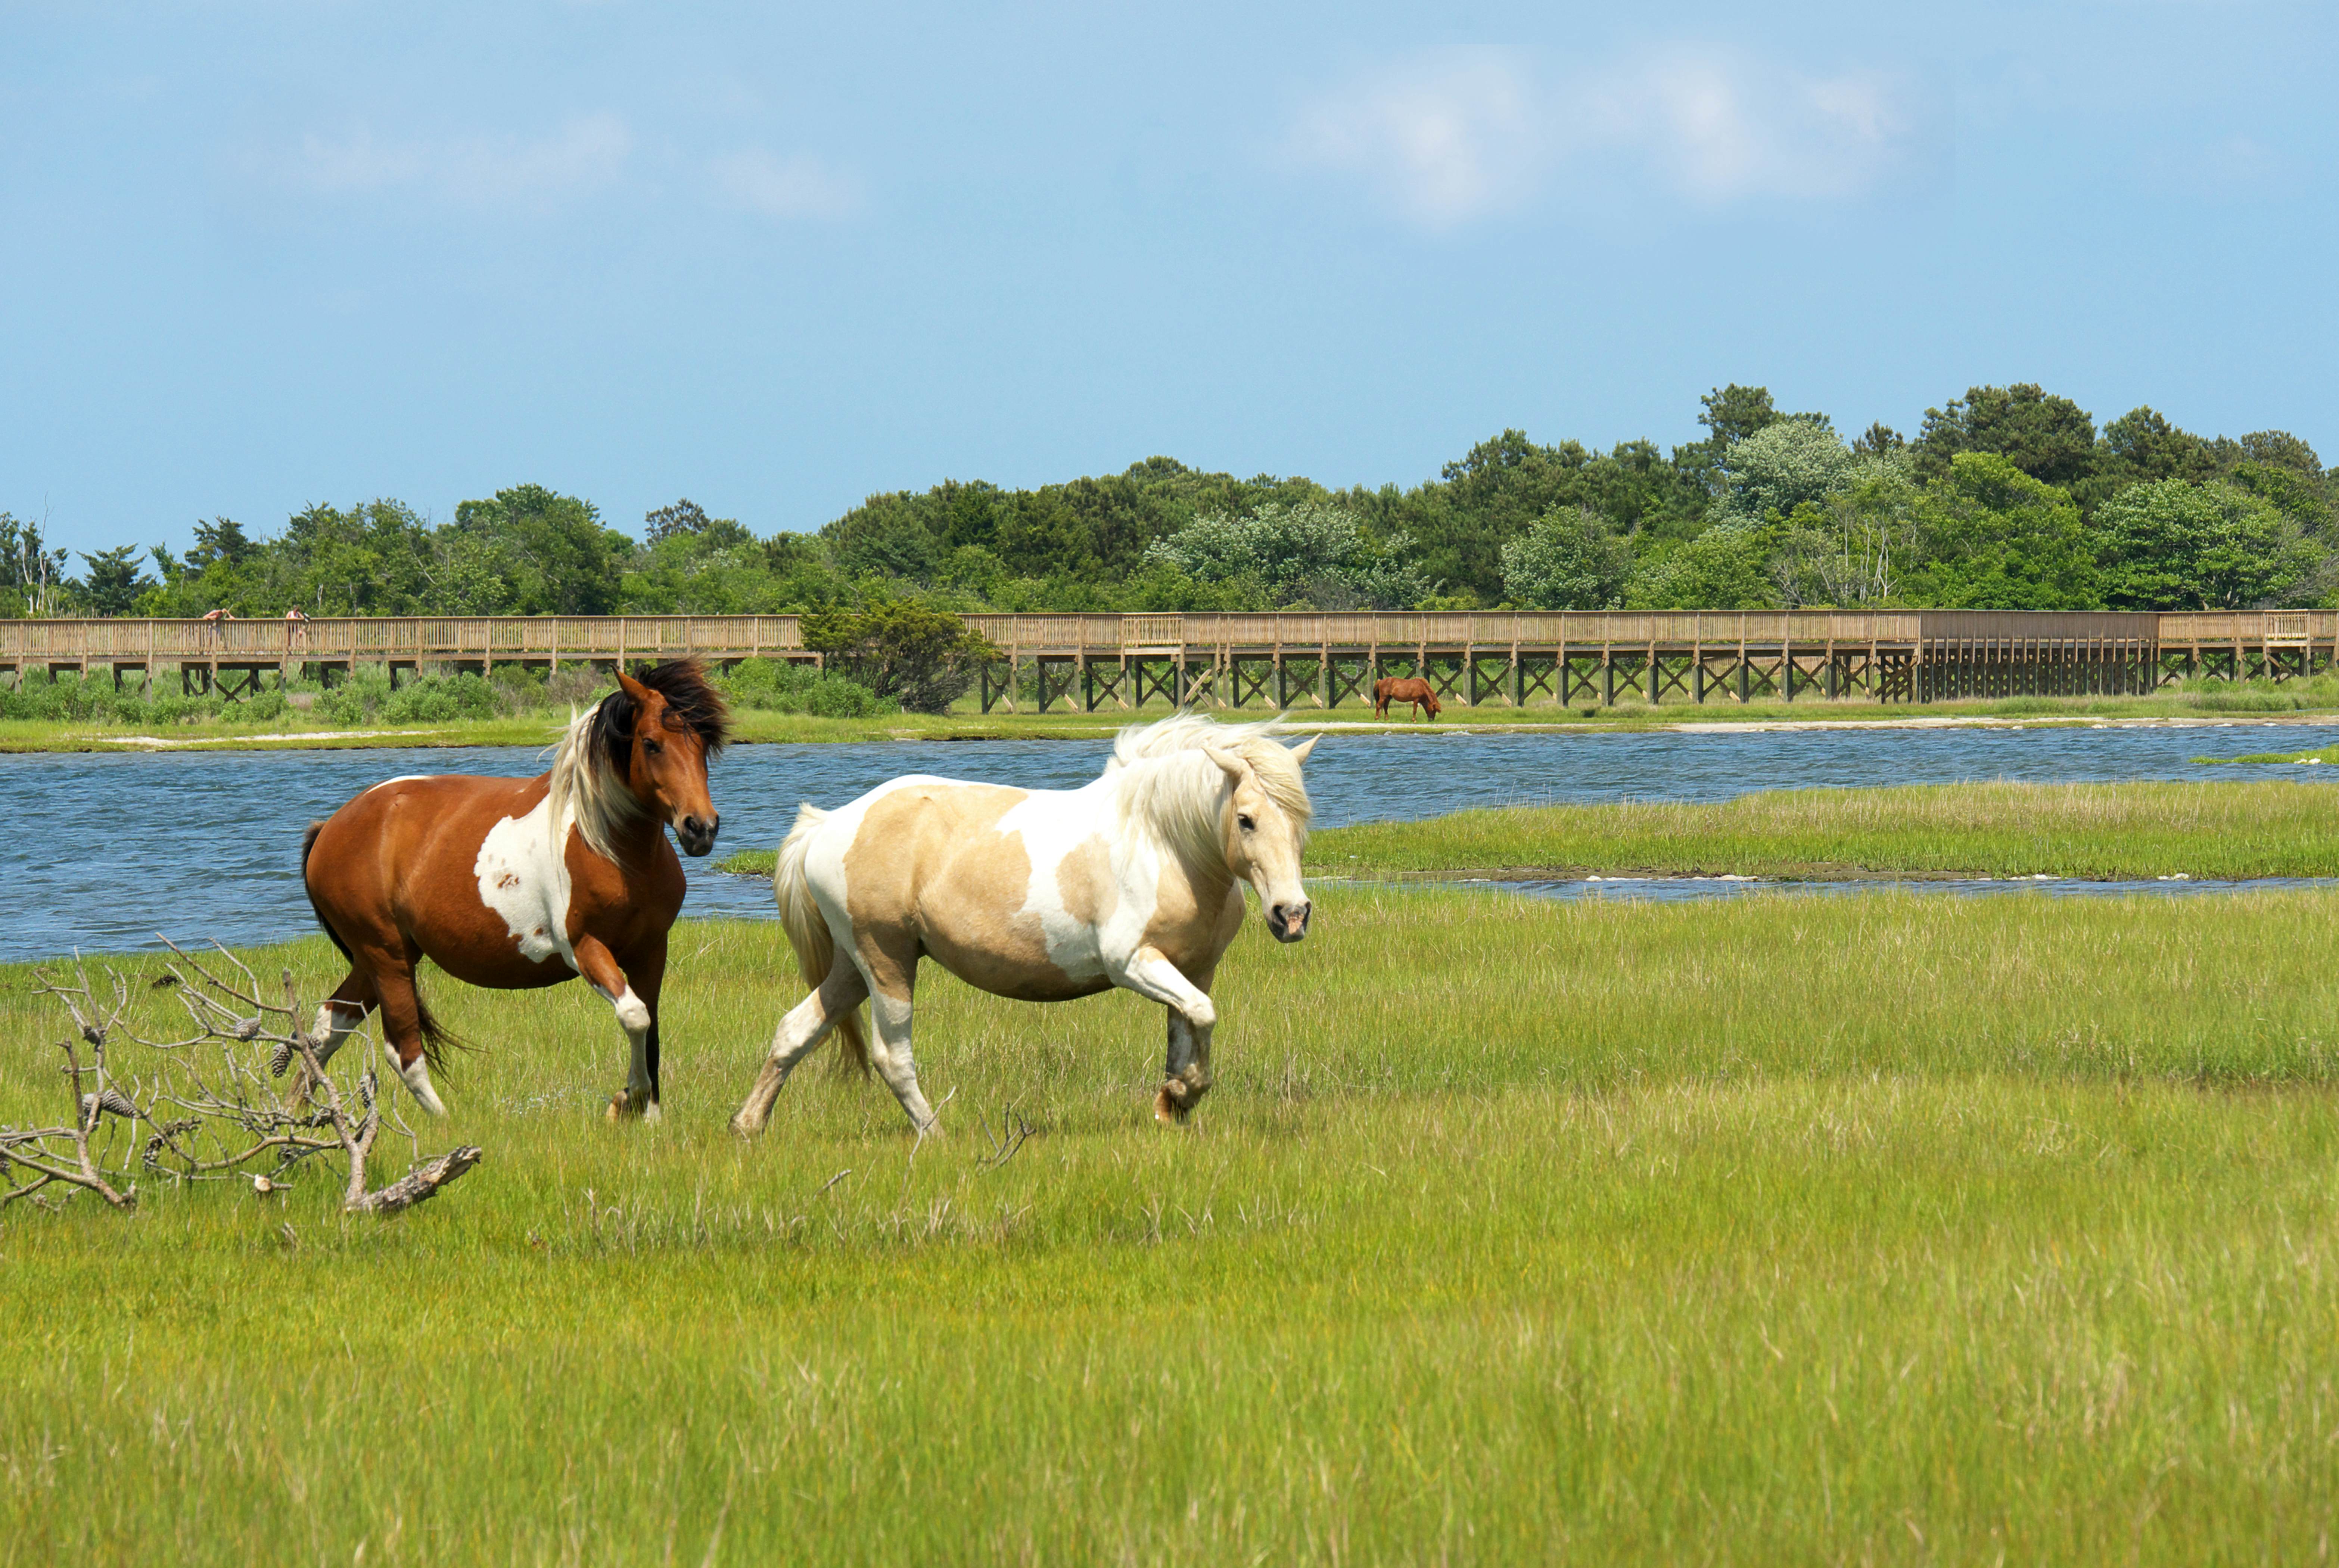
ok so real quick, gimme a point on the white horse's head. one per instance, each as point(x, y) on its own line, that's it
point(1264, 826)
point(1226, 794)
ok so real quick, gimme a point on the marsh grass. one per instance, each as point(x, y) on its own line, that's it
point(1779, 1229)
point(529, 710)
point(2272, 829)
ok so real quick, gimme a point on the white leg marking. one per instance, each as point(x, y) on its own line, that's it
point(634, 1018)
point(805, 1025)
point(329, 1031)
point(891, 1055)
point(418, 1078)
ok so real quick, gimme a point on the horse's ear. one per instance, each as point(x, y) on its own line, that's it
point(1299, 752)
point(1235, 766)
point(634, 689)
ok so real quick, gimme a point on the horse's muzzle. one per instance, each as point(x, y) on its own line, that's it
point(696, 834)
point(1288, 922)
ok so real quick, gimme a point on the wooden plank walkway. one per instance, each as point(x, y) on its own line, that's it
point(1092, 662)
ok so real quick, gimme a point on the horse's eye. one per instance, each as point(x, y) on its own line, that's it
point(655, 748)
point(1245, 823)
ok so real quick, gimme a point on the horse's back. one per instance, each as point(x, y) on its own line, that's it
point(938, 863)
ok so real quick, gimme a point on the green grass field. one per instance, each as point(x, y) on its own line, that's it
point(2119, 830)
point(2101, 832)
point(1778, 1230)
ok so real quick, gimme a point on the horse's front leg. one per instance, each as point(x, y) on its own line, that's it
point(636, 1002)
point(1186, 1077)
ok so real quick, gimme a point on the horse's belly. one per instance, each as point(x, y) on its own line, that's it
point(1017, 969)
point(492, 958)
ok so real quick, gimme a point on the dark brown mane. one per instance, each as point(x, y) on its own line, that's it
point(697, 705)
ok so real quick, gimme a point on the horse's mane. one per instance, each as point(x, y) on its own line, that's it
point(590, 760)
point(1171, 783)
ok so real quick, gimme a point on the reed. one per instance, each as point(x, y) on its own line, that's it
point(1785, 1228)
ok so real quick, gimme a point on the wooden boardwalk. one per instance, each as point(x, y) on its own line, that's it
point(1092, 662)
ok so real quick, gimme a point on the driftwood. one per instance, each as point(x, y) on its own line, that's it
point(212, 1104)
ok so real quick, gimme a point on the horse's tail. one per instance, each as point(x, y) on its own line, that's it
point(308, 843)
point(807, 928)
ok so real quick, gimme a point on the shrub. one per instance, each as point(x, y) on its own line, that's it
point(788, 689)
point(922, 659)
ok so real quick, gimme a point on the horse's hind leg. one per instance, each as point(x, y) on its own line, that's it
point(806, 1026)
point(402, 1021)
point(343, 1011)
point(890, 969)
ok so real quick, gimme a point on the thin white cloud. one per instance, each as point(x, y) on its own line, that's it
point(1724, 128)
point(582, 154)
point(796, 187)
point(1443, 138)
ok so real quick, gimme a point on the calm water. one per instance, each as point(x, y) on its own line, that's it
point(104, 851)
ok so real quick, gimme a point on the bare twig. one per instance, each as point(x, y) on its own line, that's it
point(1013, 1132)
point(210, 1101)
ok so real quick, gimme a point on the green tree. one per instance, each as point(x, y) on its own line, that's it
point(920, 657)
point(551, 550)
point(115, 580)
point(32, 574)
point(1781, 466)
point(1992, 538)
point(1855, 546)
point(1567, 561)
point(2050, 438)
point(1726, 567)
point(2177, 546)
point(220, 540)
point(1311, 554)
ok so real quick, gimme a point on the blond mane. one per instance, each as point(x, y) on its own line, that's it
point(585, 783)
point(1170, 784)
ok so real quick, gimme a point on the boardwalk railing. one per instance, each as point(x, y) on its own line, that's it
point(1308, 657)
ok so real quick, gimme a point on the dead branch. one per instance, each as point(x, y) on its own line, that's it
point(1013, 1132)
point(212, 1102)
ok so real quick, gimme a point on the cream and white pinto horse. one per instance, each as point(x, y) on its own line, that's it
point(1043, 895)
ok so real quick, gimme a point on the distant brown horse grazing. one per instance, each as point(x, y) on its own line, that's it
point(515, 883)
point(1408, 689)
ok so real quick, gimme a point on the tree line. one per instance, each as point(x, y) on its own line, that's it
point(2007, 497)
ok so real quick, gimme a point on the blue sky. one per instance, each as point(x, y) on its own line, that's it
point(777, 258)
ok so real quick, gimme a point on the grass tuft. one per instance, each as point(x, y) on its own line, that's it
point(1784, 1228)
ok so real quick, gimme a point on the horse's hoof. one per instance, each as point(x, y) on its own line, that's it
point(1170, 1110)
point(624, 1106)
point(744, 1129)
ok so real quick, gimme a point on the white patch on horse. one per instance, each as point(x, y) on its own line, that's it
point(402, 778)
point(524, 877)
point(1054, 824)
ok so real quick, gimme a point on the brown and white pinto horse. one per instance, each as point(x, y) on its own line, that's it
point(1135, 880)
point(1404, 689)
point(515, 883)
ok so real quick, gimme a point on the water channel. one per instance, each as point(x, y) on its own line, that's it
point(104, 850)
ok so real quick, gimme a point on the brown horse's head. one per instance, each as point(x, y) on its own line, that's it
point(1429, 698)
point(659, 732)
point(1264, 827)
